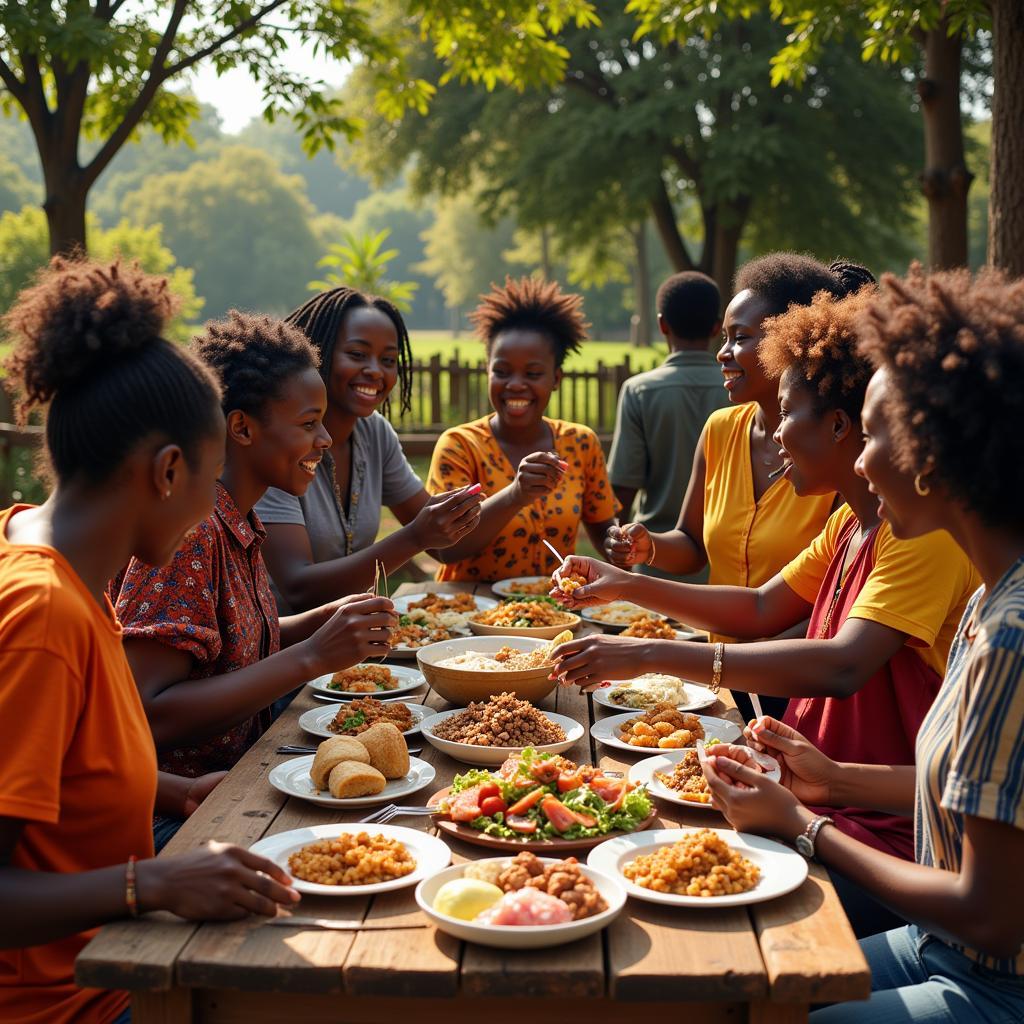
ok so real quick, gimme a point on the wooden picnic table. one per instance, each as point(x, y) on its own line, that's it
point(765, 963)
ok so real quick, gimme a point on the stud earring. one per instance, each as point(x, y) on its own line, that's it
point(922, 489)
point(167, 494)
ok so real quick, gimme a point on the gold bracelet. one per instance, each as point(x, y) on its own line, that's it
point(654, 551)
point(131, 896)
point(716, 668)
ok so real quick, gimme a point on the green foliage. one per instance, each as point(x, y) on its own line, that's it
point(240, 223)
point(361, 263)
point(16, 190)
point(24, 249)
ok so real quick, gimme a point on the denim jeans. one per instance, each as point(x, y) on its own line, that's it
point(917, 979)
point(124, 1018)
point(164, 830)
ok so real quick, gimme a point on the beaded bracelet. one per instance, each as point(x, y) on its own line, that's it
point(716, 668)
point(131, 896)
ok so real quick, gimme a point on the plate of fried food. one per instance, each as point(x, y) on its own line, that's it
point(652, 688)
point(369, 678)
point(523, 586)
point(700, 867)
point(433, 611)
point(540, 618)
point(631, 619)
point(541, 802)
point(356, 716)
point(347, 771)
point(521, 902)
point(677, 775)
point(489, 731)
point(661, 728)
point(354, 859)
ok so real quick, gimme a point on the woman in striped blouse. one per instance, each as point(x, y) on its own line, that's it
point(943, 450)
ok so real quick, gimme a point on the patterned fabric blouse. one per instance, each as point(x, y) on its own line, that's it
point(214, 602)
point(471, 454)
point(970, 750)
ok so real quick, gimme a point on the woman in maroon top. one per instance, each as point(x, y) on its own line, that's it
point(203, 637)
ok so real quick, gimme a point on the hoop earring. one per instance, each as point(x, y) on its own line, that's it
point(922, 489)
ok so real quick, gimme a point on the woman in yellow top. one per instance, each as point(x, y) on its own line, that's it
point(542, 477)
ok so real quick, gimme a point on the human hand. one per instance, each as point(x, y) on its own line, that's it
point(199, 789)
point(591, 660)
point(604, 582)
point(750, 800)
point(805, 769)
point(538, 475)
point(358, 630)
point(628, 545)
point(219, 882)
point(447, 517)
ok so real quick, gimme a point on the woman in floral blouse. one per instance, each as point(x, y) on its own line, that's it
point(202, 634)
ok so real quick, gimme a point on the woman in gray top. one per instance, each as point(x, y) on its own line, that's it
point(322, 545)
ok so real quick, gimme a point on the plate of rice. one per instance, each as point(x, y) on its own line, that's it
point(645, 691)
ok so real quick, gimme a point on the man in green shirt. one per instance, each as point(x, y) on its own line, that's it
point(662, 412)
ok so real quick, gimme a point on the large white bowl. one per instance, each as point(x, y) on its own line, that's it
point(461, 686)
point(527, 937)
point(472, 754)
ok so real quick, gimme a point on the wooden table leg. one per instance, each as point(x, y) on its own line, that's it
point(173, 1006)
point(773, 1013)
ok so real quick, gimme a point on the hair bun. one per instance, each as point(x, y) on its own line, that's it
point(78, 316)
point(852, 276)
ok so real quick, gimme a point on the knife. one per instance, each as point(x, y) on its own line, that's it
point(329, 924)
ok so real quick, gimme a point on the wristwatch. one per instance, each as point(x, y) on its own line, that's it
point(805, 841)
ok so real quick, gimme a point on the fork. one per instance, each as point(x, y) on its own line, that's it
point(384, 814)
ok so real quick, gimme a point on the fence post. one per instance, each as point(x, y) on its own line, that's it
point(602, 405)
point(436, 412)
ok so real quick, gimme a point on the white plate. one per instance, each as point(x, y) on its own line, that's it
point(470, 754)
point(409, 679)
point(782, 869)
point(316, 720)
point(506, 588)
point(645, 772)
point(529, 936)
point(431, 855)
point(402, 603)
point(592, 614)
point(292, 777)
point(699, 697)
point(606, 731)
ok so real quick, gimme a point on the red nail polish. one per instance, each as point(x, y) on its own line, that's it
point(475, 489)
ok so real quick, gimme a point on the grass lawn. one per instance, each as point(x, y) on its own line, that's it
point(467, 349)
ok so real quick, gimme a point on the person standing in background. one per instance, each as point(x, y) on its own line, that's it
point(662, 412)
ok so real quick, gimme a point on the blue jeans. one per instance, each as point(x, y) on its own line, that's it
point(164, 830)
point(917, 979)
point(124, 1018)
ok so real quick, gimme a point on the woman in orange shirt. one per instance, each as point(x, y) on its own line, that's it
point(542, 477)
point(135, 437)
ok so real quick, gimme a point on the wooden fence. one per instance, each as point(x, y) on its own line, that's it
point(444, 394)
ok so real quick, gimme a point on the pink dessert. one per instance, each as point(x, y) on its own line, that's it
point(526, 907)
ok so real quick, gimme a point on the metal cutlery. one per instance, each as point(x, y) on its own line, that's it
point(292, 748)
point(383, 815)
point(328, 924)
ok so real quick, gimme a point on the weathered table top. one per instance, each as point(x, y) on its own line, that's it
point(766, 962)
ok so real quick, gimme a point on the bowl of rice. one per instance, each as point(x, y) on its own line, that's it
point(474, 668)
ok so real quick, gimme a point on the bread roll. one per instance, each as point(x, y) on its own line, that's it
point(332, 752)
point(386, 746)
point(353, 778)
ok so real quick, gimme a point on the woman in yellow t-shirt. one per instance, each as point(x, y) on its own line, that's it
point(135, 437)
point(541, 477)
point(883, 611)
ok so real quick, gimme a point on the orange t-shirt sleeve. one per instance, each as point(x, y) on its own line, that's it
point(599, 501)
point(452, 465)
point(805, 573)
point(45, 698)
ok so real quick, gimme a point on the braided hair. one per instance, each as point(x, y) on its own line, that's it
point(322, 316)
point(88, 343)
point(253, 356)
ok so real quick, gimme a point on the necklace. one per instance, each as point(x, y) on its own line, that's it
point(844, 572)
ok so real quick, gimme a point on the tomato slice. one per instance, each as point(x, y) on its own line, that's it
point(489, 789)
point(465, 806)
point(523, 804)
point(520, 824)
point(569, 781)
point(560, 816)
point(492, 805)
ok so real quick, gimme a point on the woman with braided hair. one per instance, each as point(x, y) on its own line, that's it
point(202, 634)
point(543, 477)
point(323, 543)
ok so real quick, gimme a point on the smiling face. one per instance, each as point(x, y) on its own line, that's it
point(909, 514)
point(288, 438)
point(744, 377)
point(806, 438)
point(364, 362)
point(521, 375)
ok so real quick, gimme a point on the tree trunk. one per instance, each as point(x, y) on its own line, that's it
point(668, 229)
point(725, 247)
point(545, 253)
point(65, 209)
point(1006, 200)
point(641, 286)
point(946, 179)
